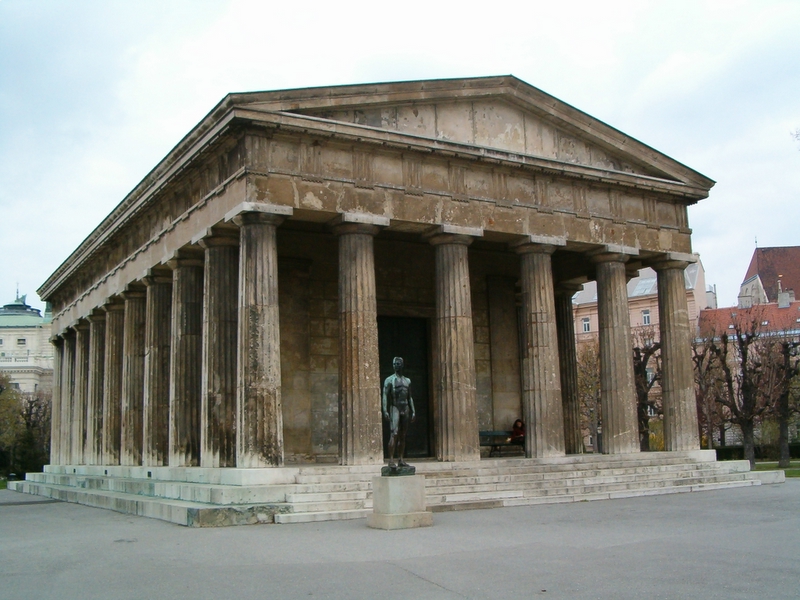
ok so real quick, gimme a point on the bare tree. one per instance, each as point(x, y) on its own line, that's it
point(744, 370)
point(786, 367)
point(589, 390)
point(646, 373)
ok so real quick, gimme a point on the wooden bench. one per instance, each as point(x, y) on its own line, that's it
point(497, 440)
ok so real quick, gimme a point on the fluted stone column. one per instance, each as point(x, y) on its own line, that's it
point(81, 389)
point(361, 439)
point(155, 403)
point(677, 374)
point(132, 378)
point(93, 447)
point(55, 410)
point(617, 392)
point(259, 413)
point(541, 394)
point(220, 325)
point(568, 367)
point(67, 396)
point(112, 382)
point(186, 354)
point(456, 402)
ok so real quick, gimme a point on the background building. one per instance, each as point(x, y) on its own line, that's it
point(643, 302)
point(771, 272)
point(26, 354)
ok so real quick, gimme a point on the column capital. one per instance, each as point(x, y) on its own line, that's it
point(134, 292)
point(157, 275)
point(673, 260)
point(612, 253)
point(114, 304)
point(542, 244)
point(219, 235)
point(188, 256)
point(453, 234)
point(258, 212)
point(96, 316)
point(567, 288)
point(363, 223)
point(81, 325)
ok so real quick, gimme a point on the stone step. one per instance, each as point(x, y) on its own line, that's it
point(192, 514)
point(469, 493)
point(331, 506)
point(529, 481)
point(295, 498)
point(480, 503)
point(312, 517)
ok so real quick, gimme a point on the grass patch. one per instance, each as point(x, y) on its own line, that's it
point(2, 484)
point(792, 471)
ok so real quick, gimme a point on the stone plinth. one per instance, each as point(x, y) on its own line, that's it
point(399, 503)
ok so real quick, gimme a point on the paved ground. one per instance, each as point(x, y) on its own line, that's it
point(739, 543)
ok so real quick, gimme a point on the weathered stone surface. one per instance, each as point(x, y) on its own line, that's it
point(568, 367)
point(155, 403)
point(259, 412)
point(80, 391)
point(132, 401)
point(93, 448)
point(112, 382)
point(220, 325)
point(617, 392)
point(67, 397)
point(505, 359)
point(454, 364)
point(186, 351)
point(55, 412)
point(541, 378)
point(359, 376)
point(677, 380)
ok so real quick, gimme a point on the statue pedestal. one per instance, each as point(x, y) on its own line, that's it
point(399, 503)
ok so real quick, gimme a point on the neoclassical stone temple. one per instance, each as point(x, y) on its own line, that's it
point(240, 307)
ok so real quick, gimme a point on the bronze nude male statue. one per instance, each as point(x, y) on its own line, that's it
point(398, 409)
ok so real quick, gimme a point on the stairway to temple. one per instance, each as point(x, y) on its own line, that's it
point(220, 497)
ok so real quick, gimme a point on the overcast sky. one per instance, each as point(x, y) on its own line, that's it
point(94, 93)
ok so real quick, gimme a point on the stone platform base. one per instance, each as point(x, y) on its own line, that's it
point(203, 497)
point(399, 503)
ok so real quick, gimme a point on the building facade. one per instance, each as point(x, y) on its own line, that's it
point(643, 310)
point(242, 304)
point(26, 354)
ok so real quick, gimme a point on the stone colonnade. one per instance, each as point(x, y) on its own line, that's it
point(184, 369)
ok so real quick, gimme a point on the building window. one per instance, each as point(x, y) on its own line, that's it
point(587, 327)
point(765, 322)
point(21, 341)
point(1, 341)
point(646, 317)
point(651, 374)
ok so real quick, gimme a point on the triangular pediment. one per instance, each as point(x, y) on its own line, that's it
point(502, 113)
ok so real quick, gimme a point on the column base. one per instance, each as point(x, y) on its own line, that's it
point(399, 503)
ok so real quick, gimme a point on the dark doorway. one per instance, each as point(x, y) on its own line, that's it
point(408, 337)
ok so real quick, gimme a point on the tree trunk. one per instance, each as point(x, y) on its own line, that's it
point(749, 443)
point(644, 427)
point(783, 430)
point(709, 426)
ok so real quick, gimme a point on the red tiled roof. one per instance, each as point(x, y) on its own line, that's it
point(769, 263)
point(766, 317)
